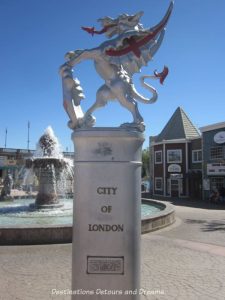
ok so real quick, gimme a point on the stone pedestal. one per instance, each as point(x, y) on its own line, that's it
point(107, 214)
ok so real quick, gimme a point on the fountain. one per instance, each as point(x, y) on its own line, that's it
point(48, 165)
point(49, 219)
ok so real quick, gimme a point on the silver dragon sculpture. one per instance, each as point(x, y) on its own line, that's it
point(115, 60)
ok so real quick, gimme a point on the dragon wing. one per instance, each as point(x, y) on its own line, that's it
point(134, 49)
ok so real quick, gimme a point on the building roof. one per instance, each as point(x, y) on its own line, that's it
point(178, 127)
point(212, 127)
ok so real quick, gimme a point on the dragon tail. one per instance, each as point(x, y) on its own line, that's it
point(150, 88)
point(161, 76)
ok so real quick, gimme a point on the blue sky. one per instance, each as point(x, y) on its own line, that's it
point(35, 35)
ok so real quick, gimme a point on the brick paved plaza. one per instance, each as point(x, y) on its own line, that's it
point(184, 261)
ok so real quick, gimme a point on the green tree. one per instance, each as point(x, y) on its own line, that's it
point(145, 163)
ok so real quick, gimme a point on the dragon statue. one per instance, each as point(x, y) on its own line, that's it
point(115, 60)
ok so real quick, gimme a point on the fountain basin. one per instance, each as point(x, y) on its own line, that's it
point(31, 226)
point(160, 219)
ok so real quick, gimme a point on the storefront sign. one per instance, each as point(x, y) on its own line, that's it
point(176, 176)
point(216, 169)
point(4, 162)
point(219, 137)
point(174, 168)
point(11, 162)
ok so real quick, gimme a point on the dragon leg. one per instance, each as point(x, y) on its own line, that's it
point(103, 95)
point(138, 122)
point(129, 103)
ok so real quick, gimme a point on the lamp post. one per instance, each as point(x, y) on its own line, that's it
point(28, 135)
point(6, 134)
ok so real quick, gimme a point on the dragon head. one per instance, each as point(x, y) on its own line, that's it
point(119, 25)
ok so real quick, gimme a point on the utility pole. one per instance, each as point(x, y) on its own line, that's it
point(28, 135)
point(6, 133)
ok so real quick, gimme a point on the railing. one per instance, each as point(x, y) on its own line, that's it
point(28, 151)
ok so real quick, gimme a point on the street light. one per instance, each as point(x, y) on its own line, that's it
point(6, 133)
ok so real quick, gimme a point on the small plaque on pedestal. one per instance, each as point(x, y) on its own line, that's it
point(105, 265)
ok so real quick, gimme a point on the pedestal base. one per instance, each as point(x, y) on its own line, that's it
point(47, 201)
point(107, 213)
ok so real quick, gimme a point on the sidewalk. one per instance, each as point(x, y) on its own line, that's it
point(183, 262)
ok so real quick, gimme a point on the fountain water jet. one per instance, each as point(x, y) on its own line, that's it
point(48, 165)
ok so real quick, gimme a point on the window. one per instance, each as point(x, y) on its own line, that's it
point(158, 183)
point(196, 156)
point(174, 156)
point(216, 183)
point(158, 157)
point(10, 157)
point(216, 152)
